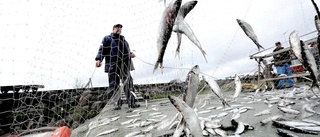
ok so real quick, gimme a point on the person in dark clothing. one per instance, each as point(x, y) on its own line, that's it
point(282, 63)
point(118, 64)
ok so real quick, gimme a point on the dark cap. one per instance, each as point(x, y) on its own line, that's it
point(117, 26)
point(278, 43)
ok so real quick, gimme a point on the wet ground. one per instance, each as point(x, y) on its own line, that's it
point(298, 96)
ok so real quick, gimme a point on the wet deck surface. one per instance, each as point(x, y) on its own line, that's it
point(244, 99)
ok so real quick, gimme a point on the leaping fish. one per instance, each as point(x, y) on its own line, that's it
point(165, 29)
point(310, 63)
point(189, 116)
point(193, 85)
point(215, 89)
point(246, 27)
point(237, 81)
point(294, 40)
point(182, 27)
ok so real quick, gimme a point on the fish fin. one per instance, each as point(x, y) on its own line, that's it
point(156, 66)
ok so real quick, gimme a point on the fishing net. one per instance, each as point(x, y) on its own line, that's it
point(48, 76)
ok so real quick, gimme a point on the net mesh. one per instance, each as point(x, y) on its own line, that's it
point(49, 79)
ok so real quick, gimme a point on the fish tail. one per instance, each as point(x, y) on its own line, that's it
point(204, 55)
point(260, 46)
point(177, 53)
point(156, 66)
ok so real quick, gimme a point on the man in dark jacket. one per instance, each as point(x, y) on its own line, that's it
point(282, 63)
point(118, 64)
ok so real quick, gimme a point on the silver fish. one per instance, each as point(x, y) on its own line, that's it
point(215, 89)
point(165, 29)
point(127, 122)
point(310, 63)
point(311, 121)
point(289, 110)
point(294, 40)
point(222, 114)
point(240, 128)
point(211, 131)
point(317, 23)
point(182, 27)
point(155, 113)
point(148, 129)
point(220, 132)
point(265, 121)
point(237, 81)
point(285, 133)
point(188, 114)
point(134, 133)
point(204, 111)
point(264, 112)
point(246, 27)
point(135, 115)
point(108, 132)
point(193, 85)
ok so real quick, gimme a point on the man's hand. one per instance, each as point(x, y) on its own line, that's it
point(132, 55)
point(98, 63)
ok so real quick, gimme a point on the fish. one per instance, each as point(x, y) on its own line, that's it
point(237, 81)
point(264, 112)
point(127, 122)
point(265, 121)
point(163, 124)
point(188, 114)
point(317, 23)
point(289, 110)
point(155, 113)
point(310, 63)
point(292, 127)
point(240, 128)
point(134, 133)
point(107, 132)
point(204, 104)
point(165, 29)
point(148, 129)
point(311, 121)
point(285, 133)
point(294, 40)
point(135, 115)
point(215, 89)
point(220, 132)
point(204, 111)
point(222, 114)
point(193, 85)
point(182, 27)
point(211, 131)
point(246, 27)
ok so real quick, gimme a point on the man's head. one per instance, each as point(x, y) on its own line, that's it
point(117, 28)
point(278, 44)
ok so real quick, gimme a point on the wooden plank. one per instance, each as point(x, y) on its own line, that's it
point(272, 53)
point(285, 77)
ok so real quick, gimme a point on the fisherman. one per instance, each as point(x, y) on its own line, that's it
point(118, 64)
point(282, 63)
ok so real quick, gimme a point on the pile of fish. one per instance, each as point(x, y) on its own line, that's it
point(289, 112)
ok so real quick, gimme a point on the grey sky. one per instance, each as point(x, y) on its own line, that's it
point(55, 42)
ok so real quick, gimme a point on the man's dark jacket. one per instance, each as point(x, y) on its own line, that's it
point(115, 50)
point(281, 56)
